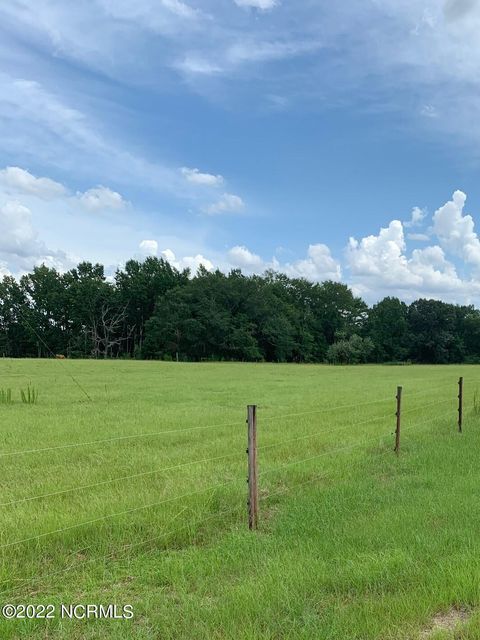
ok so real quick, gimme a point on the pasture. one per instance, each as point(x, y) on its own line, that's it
point(138, 496)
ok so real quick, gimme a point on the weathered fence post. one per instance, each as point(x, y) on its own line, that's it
point(399, 420)
point(252, 466)
point(460, 404)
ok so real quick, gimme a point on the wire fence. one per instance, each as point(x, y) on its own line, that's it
point(392, 427)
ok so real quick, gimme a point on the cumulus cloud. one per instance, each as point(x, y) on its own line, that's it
point(456, 231)
point(187, 262)
point(379, 265)
point(17, 233)
point(381, 257)
point(228, 203)
point(197, 177)
point(20, 245)
point(101, 198)
point(317, 266)
point(148, 247)
point(240, 256)
point(19, 181)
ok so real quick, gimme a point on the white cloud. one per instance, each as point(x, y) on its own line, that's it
point(417, 217)
point(228, 203)
point(379, 265)
point(382, 257)
point(264, 5)
point(179, 8)
point(429, 111)
point(21, 182)
point(197, 64)
point(418, 237)
point(101, 198)
point(20, 245)
point(318, 266)
point(187, 262)
point(197, 177)
point(240, 256)
point(456, 231)
point(148, 247)
point(17, 233)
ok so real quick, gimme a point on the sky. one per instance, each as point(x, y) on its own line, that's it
point(325, 140)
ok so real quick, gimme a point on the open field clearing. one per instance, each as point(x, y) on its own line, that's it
point(138, 496)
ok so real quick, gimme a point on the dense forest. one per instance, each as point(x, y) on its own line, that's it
point(151, 310)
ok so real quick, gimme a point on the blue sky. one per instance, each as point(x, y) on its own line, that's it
point(245, 133)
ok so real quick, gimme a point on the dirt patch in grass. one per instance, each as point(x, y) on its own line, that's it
point(446, 621)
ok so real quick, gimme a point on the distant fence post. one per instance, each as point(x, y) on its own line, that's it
point(399, 420)
point(252, 466)
point(460, 404)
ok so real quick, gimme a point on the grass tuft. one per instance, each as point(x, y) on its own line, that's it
point(29, 395)
point(6, 396)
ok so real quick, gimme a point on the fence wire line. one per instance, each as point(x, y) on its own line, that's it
point(117, 438)
point(317, 433)
point(142, 542)
point(448, 385)
point(119, 513)
point(119, 479)
point(122, 548)
point(425, 406)
point(346, 448)
point(281, 491)
point(325, 410)
point(192, 462)
point(200, 461)
point(159, 433)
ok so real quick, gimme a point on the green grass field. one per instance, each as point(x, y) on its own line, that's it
point(139, 497)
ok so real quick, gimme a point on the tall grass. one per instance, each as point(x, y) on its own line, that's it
point(5, 396)
point(29, 395)
point(357, 545)
point(476, 402)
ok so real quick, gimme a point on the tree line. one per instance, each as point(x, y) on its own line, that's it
point(151, 310)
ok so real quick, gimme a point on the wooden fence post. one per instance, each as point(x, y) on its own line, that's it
point(399, 420)
point(252, 466)
point(460, 404)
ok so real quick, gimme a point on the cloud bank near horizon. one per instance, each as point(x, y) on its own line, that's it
point(440, 260)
